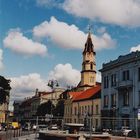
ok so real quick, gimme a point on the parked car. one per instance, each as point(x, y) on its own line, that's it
point(26, 127)
point(42, 127)
point(34, 127)
point(53, 127)
point(125, 130)
point(4, 126)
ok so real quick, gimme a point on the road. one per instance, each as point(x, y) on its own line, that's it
point(28, 135)
point(9, 134)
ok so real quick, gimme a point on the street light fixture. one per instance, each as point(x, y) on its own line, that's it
point(52, 84)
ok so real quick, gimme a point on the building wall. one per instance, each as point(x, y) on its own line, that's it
point(126, 113)
point(90, 109)
point(3, 112)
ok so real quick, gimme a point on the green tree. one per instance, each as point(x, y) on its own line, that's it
point(4, 89)
point(59, 109)
point(45, 108)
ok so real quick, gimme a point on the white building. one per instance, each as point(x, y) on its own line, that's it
point(121, 91)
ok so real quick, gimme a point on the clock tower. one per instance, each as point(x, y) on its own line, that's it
point(88, 73)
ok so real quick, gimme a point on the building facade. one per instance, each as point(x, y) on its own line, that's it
point(121, 91)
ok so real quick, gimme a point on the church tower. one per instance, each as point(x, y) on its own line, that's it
point(88, 73)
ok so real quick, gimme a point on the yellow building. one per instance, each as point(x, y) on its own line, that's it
point(3, 112)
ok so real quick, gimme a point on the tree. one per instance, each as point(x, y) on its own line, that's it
point(59, 109)
point(4, 89)
point(45, 108)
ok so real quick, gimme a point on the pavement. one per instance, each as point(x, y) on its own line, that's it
point(26, 137)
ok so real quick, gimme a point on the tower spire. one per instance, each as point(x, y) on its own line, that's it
point(89, 45)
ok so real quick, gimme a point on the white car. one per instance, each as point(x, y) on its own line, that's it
point(125, 130)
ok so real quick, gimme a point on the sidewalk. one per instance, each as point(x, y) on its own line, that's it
point(26, 137)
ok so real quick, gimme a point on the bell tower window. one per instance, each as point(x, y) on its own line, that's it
point(91, 66)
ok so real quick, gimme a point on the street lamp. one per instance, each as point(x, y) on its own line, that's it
point(114, 111)
point(52, 84)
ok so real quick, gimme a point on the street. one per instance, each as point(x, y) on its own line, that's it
point(11, 134)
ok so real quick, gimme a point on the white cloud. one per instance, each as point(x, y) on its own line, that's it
point(1, 58)
point(65, 74)
point(69, 36)
point(28, 83)
point(119, 12)
point(25, 86)
point(135, 48)
point(21, 44)
point(46, 3)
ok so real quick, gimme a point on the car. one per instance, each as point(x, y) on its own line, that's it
point(34, 127)
point(125, 130)
point(26, 127)
point(42, 127)
point(53, 127)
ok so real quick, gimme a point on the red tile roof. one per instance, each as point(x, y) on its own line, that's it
point(87, 94)
point(73, 95)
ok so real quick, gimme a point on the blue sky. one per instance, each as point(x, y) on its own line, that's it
point(44, 39)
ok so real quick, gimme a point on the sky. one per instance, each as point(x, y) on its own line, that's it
point(42, 40)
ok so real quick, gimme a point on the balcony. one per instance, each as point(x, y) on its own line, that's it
point(125, 84)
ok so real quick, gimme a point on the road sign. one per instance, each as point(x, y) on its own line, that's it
point(138, 114)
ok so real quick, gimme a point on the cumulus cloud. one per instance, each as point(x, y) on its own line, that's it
point(65, 74)
point(28, 83)
point(135, 48)
point(1, 58)
point(25, 86)
point(17, 42)
point(119, 12)
point(69, 36)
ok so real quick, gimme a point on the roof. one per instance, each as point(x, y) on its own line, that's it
point(73, 95)
point(89, 93)
point(88, 45)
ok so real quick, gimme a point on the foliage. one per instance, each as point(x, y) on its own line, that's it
point(4, 89)
point(59, 109)
point(45, 108)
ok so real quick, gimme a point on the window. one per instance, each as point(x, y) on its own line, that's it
point(75, 110)
point(126, 98)
point(105, 100)
point(91, 66)
point(138, 74)
point(125, 75)
point(96, 125)
point(113, 100)
point(106, 82)
point(113, 80)
point(83, 66)
point(97, 109)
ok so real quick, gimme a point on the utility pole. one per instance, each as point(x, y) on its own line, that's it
point(52, 84)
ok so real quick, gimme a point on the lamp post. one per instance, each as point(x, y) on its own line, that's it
point(52, 84)
point(114, 109)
